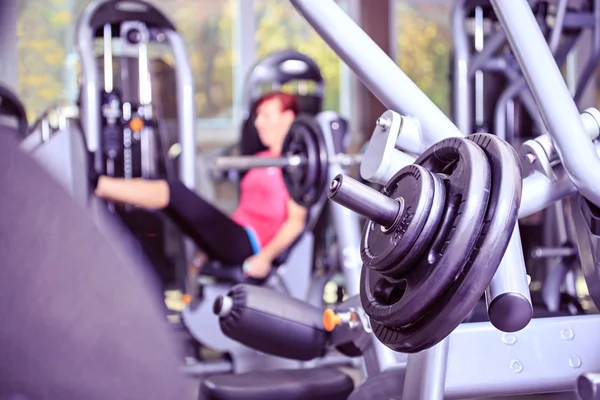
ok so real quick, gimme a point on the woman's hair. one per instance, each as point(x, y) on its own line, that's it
point(288, 101)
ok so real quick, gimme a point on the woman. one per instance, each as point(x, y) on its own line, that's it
point(267, 220)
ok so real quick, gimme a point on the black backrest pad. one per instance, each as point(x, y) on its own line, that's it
point(250, 142)
point(79, 318)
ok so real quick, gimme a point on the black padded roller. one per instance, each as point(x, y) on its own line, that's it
point(272, 322)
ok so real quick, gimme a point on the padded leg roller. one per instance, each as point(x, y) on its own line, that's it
point(272, 322)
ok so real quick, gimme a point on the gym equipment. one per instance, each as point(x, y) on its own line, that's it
point(563, 345)
point(294, 277)
point(13, 113)
point(294, 269)
point(271, 73)
point(491, 94)
point(271, 322)
point(119, 123)
point(427, 257)
point(304, 162)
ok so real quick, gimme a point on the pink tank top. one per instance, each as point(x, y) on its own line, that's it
point(263, 202)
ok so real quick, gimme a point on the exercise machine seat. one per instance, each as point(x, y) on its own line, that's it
point(297, 384)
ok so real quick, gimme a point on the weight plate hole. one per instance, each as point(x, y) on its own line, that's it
point(387, 293)
point(450, 168)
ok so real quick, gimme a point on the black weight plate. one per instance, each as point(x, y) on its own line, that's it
point(464, 293)
point(427, 234)
point(298, 178)
point(384, 248)
point(306, 182)
point(467, 190)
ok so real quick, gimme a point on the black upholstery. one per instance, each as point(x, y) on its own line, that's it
point(299, 384)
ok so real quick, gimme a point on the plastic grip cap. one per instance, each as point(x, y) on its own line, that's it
point(331, 320)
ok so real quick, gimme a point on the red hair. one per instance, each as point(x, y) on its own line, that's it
point(288, 102)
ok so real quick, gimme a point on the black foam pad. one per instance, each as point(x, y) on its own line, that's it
point(298, 384)
point(275, 323)
point(80, 316)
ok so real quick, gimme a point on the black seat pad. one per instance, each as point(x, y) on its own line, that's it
point(297, 384)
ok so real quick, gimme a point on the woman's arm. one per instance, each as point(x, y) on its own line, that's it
point(259, 265)
point(149, 194)
point(289, 231)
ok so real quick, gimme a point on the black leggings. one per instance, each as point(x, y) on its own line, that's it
point(217, 235)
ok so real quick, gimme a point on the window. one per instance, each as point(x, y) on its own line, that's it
point(279, 26)
point(46, 33)
point(423, 46)
point(41, 30)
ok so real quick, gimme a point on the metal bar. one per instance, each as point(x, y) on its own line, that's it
point(539, 191)
point(374, 68)
point(346, 222)
point(547, 252)
point(552, 95)
point(364, 200)
point(519, 87)
point(594, 56)
point(461, 93)
point(551, 288)
point(108, 59)
point(508, 298)
point(186, 110)
point(588, 386)
point(243, 163)
point(90, 98)
point(9, 11)
point(492, 45)
point(426, 373)
point(545, 357)
point(245, 46)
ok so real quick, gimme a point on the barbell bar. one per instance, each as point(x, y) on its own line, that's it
point(364, 200)
point(244, 163)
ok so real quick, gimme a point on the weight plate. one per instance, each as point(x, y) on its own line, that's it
point(465, 291)
point(428, 232)
point(411, 295)
point(383, 248)
point(306, 182)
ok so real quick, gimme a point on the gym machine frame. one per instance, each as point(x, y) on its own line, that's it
point(512, 371)
point(90, 99)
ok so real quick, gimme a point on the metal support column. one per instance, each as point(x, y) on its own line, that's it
point(8, 42)
point(245, 49)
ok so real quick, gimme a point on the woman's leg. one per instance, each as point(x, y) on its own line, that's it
point(215, 233)
point(149, 194)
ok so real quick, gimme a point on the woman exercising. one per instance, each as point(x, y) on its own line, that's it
point(266, 221)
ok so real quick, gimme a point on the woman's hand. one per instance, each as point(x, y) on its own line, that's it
point(258, 266)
